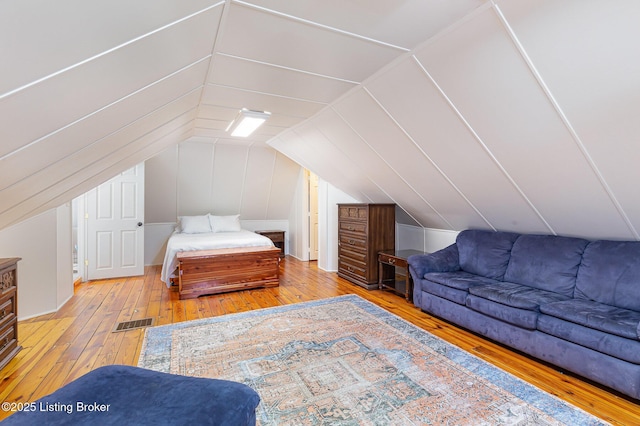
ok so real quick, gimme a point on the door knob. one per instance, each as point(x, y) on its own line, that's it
point(139, 223)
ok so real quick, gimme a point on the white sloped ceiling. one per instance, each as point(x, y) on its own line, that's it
point(517, 117)
point(90, 89)
point(498, 114)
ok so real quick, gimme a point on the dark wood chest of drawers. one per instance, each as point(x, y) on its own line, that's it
point(363, 231)
point(8, 310)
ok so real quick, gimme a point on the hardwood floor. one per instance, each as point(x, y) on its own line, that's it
point(60, 347)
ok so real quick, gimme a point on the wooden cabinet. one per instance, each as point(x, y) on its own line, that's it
point(8, 310)
point(277, 237)
point(363, 231)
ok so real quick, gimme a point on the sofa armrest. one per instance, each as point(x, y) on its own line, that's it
point(445, 260)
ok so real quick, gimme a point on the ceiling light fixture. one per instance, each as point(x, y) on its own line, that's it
point(246, 122)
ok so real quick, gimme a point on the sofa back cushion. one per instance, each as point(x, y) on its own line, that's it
point(546, 262)
point(485, 253)
point(610, 274)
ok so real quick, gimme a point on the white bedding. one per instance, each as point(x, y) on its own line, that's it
point(206, 241)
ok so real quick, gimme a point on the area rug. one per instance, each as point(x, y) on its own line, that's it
point(345, 361)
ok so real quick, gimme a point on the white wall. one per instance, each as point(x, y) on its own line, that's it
point(423, 239)
point(408, 236)
point(298, 232)
point(328, 199)
point(205, 175)
point(45, 278)
point(64, 252)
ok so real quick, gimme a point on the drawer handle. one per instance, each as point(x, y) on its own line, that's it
point(5, 344)
point(350, 228)
point(352, 242)
point(349, 268)
point(4, 314)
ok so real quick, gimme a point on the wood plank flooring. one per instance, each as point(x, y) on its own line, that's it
point(60, 347)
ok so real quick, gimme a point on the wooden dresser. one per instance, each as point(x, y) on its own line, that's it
point(363, 231)
point(8, 310)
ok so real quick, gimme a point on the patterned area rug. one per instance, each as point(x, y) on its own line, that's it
point(345, 361)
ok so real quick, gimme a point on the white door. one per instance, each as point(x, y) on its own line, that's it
point(313, 216)
point(115, 231)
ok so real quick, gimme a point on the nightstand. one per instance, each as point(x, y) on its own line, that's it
point(277, 237)
point(400, 281)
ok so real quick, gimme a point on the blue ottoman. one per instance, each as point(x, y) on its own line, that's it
point(124, 395)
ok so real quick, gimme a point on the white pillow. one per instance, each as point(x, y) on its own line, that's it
point(225, 223)
point(195, 224)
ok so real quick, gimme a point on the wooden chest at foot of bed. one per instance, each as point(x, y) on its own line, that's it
point(217, 271)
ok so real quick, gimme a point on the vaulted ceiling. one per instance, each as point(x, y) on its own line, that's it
point(504, 114)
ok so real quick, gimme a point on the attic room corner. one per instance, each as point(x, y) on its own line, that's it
point(43, 242)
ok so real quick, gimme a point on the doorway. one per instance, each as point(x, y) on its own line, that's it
point(109, 228)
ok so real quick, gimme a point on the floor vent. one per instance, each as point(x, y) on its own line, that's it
point(130, 325)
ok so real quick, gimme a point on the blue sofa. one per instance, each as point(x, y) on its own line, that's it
point(568, 301)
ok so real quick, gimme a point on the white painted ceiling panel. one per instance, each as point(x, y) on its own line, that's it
point(260, 137)
point(331, 125)
point(226, 115)
point(93, 158)
point(387, 179)
point(505, 105)
point(294, 145)
point(166, 119)
point(589, 58)
point(529, 120)
point(235, 72)
point(406, 160)
point(237, 99)
point(401, 23)
point(229, 168)
point(299, 144)
point(75, 184)
point(270, 38)
point(310, 138)
point(46, 37)
point(212, 125)
point(213, 135)
point(149, 146)
point(96, 84)
point(40, 154)
point(406, 92)
point(285, 147)
point(214, 112)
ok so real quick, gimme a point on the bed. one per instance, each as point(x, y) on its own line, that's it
point(216, 256)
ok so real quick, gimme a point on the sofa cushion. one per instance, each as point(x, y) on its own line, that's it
point(445, 292)
point(516, 295)
point(485, 253)
point(610, 344)
point(546, 262)
point(520, 317)
point(461, 280)
point(610, 274)
point(610, 319)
